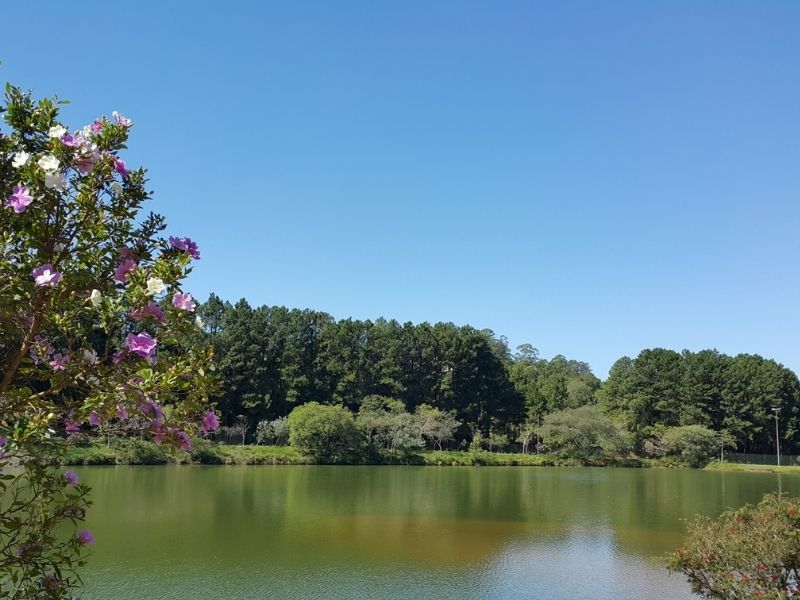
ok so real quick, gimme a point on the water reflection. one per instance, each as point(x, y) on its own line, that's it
point(478, 532)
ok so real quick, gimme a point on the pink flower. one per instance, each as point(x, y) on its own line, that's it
point(19, 199)
point(71, 477)
point(73, 141)
point(210, 422)
point(98, 125)
point(151, 310)
point(119, 167)
point(45, 276)
point(185, 442)
point(141, 344)
point(59, 362)
point(124, 268)
point(85, 162)
point(85, 536)
point(185, 244)
point(183, 302)
point(71, 426)
point(121, 119)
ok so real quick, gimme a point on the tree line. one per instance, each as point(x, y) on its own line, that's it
point(274, 359)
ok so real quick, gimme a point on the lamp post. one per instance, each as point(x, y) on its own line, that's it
point(777, 410)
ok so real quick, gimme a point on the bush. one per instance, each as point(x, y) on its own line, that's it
point(140, 452)
point(693, 445)
point(749, 553)
point(206, 453)
point(583, 433)
point(327, 433)
point(276, 432)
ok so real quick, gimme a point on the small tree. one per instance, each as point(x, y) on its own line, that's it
point(276, 431)
point(497, 440)
point(478, 441)
point(95, 331)
point(327, 433)
point(693, 445)
point(582, 433)
point(527, 434)
point(436, 426)
point(753, 552)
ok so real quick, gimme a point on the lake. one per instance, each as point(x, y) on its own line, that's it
point(342, 533)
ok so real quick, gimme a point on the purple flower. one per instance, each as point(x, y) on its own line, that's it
point(59, 362)
point(19, 199)
point(71, 477)
point(122, 412)
point(45, 276)
point(121, 119)
point(73, 141)
point(71, 426)
point(98, 125)
point(151, 310)
point(85, 536)
point(85, 162)
point(124, 268)
point(185, 442)
point(185, 244)
point(2, 446)
point(183, 302)
point(141, 344)
point(119, 167)
point(41, 349)
point(210, 422)
point(151, 406)
point(94, 419)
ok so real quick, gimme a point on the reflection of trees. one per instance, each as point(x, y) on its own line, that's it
point(421, 515)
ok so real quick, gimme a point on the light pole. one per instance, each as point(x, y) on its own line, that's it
point(777, 410)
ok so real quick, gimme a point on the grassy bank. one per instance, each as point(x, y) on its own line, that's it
point(742, 468)
point(139, 452)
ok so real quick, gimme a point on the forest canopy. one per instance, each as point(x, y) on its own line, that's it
point(273, 359)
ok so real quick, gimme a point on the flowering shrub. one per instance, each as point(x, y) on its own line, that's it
point(753, 552)
point(96, 334)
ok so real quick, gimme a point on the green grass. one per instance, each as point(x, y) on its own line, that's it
point(742, 468)
point(139, 452)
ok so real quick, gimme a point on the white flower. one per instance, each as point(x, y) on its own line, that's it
point(55, 181)
point(56, 131)
point(20, 159)
point(90, 356)
point(48, 162)
point(96, 298)
point(155, 285)
point(198, 322)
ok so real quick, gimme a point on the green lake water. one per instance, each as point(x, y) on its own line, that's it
point(374, 533)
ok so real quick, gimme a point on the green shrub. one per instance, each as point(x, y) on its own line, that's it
point(326, 433)
point(693, 445)
point(749, 553)
point(583, 434)
point(205, 452)
point(139, 452)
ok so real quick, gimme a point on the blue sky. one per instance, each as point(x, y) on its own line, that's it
point(590, 177)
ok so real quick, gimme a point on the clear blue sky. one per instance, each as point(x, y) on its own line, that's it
point(590, 177)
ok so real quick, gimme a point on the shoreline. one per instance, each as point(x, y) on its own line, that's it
point(139, 452)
